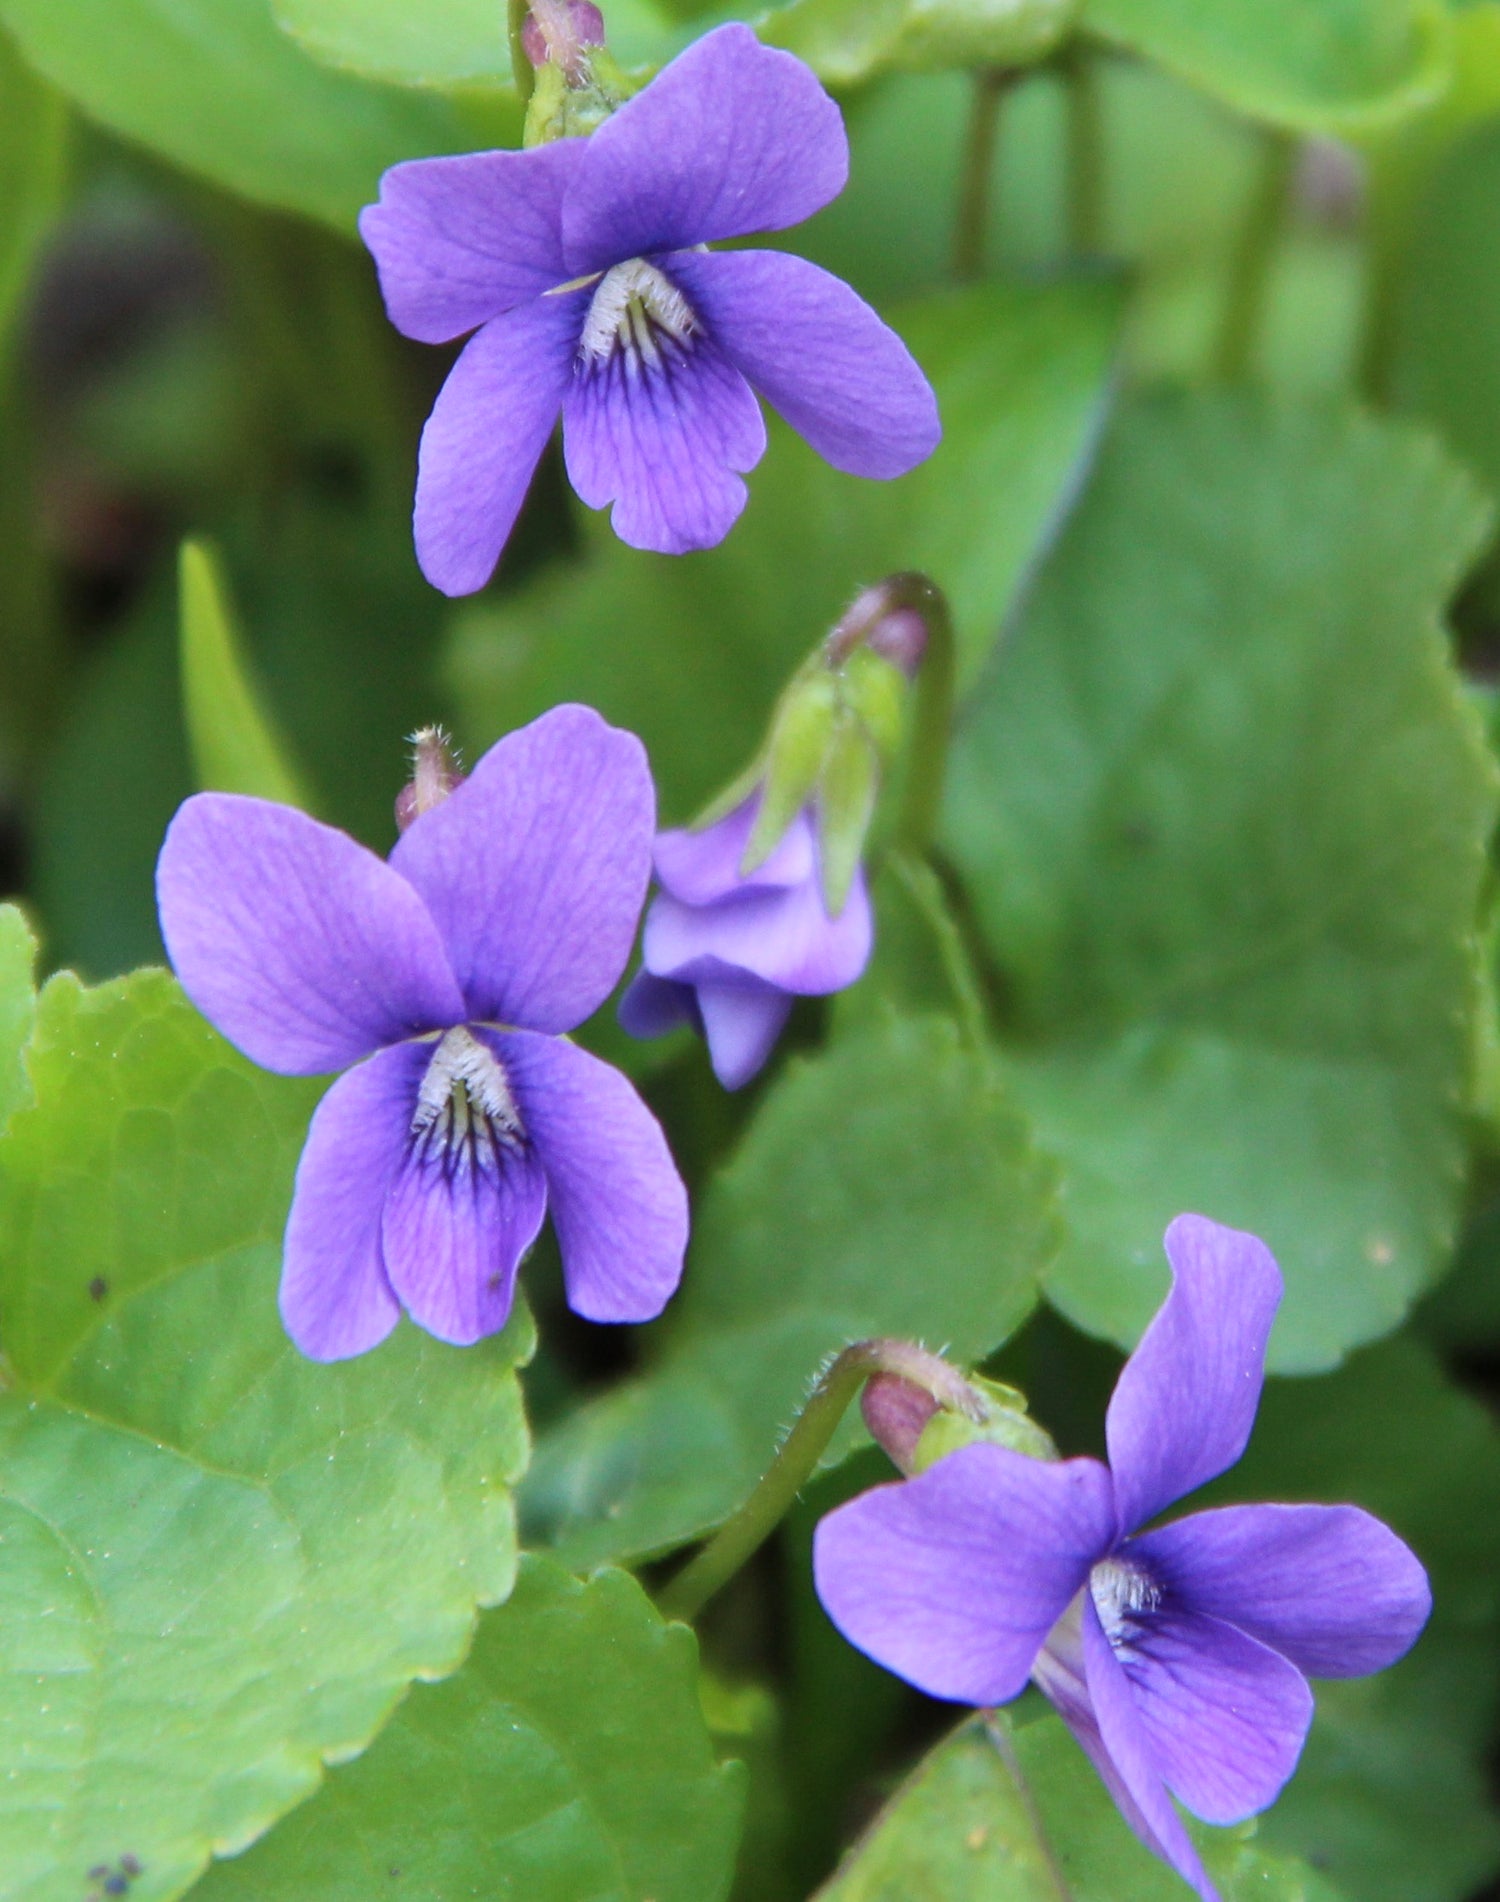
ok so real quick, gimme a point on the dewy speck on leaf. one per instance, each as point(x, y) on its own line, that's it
point(1179, 1656)
point(582, 268)
point(446, 976)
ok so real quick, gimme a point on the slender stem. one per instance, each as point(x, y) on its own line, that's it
point(520, 65)
point(1249, 286)
point(798, 1457)
point(1085, 153)
point(1000, 1737)
point(921, 885)
point(972, 219)
point(932, 723)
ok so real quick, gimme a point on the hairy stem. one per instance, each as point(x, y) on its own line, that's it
point(972, 219)
point(932, 722)
point(797, 1460)
point(1255, 252)
point(921, 885)
point(515, 19)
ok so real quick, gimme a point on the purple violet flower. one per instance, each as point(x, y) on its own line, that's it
point(581, 266)
point(446, 978)
point(727, 951)
point(1177, 1656)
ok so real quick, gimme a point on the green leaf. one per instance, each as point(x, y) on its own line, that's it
point(224, 1563)
point(567, 1759)
point(970, 1826)
point(885, 1187)
point(213, 86)
point(17, 1008)
point(33, 167)
point(691, 652)
point(235, 744)
point(847, 41)
point(1342, 66)
point(1223, 812)
point(1393, 1798)
point(453, 42)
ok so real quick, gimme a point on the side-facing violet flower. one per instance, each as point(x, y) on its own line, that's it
point(727, 951)
point(446, 976)
point(1180, 1656)
point(581, 266)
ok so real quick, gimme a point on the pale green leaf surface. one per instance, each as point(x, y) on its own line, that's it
point(885, 1187)
point(968, 1827)
point(848, 41)
point(1222, 812)
point(224, 1562)
point(213, 86)
point(33, 151)
point(567, 1761)
point(235, 745)
point(691, 651)
point(17, 1008)
point(1342, 66)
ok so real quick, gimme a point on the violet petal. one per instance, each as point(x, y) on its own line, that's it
point(785, 938)
point(457, 1221)
point(1124, 1741)
point(818, 354)
point(1185, 1402)
point(701, 865)
point(458, 241)
point(953, 1579)
point(731, 137)
point(486, 434)
point(301, 947)
point(666, 445)
point(618, 1204)
point(1225, 1716)
point(536, 867)
point(652, 1006)
point(335, 1298)
point(1329, 1587)
point(741, 1022)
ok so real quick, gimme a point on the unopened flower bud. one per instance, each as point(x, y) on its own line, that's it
point(1006, 1423)
point(577, 84)
point(560, 32)
point(435, 774)
point(896, 1411)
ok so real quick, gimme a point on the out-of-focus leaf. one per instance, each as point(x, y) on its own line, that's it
point(1223, 811)
point(33, 151)
point(213, 86)
point(454, 42)
point(235, 745)
point(17, 1008)
point(886, 1187)
point(567, 1759)
point(1393, 1799)
point(971, 1827)
point(692, 652)
point(846, 41)
point(1342, 66)
point(224, 1563)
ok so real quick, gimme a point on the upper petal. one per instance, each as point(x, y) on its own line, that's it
point(1063, 1675)
point(335, 1298)
point(536, 867)
point(732, 137)
point(666, 446)
point(618, 1204)
point(699, 865)
point(304, 949)
point(819, 355)
point(485, 435)
point(1329, 1587)
point(953, 1579)
point(1185, 1402)
point(459, 240)
point(1225, 1716)
point(784, 937)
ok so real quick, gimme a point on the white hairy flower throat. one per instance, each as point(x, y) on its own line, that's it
point(635, 307)
point(465, 1106)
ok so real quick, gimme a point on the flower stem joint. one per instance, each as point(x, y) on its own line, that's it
point(765, 898)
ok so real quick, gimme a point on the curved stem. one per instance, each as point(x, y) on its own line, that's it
point(972, 219)
point(1085, 153)
point(922, 887)
point(797, 1460)
point(932, 720)
point(1254, 257)
point(515, 19)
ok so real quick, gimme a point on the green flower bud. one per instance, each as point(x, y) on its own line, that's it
point(1006, 1424)
point(846, 805)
